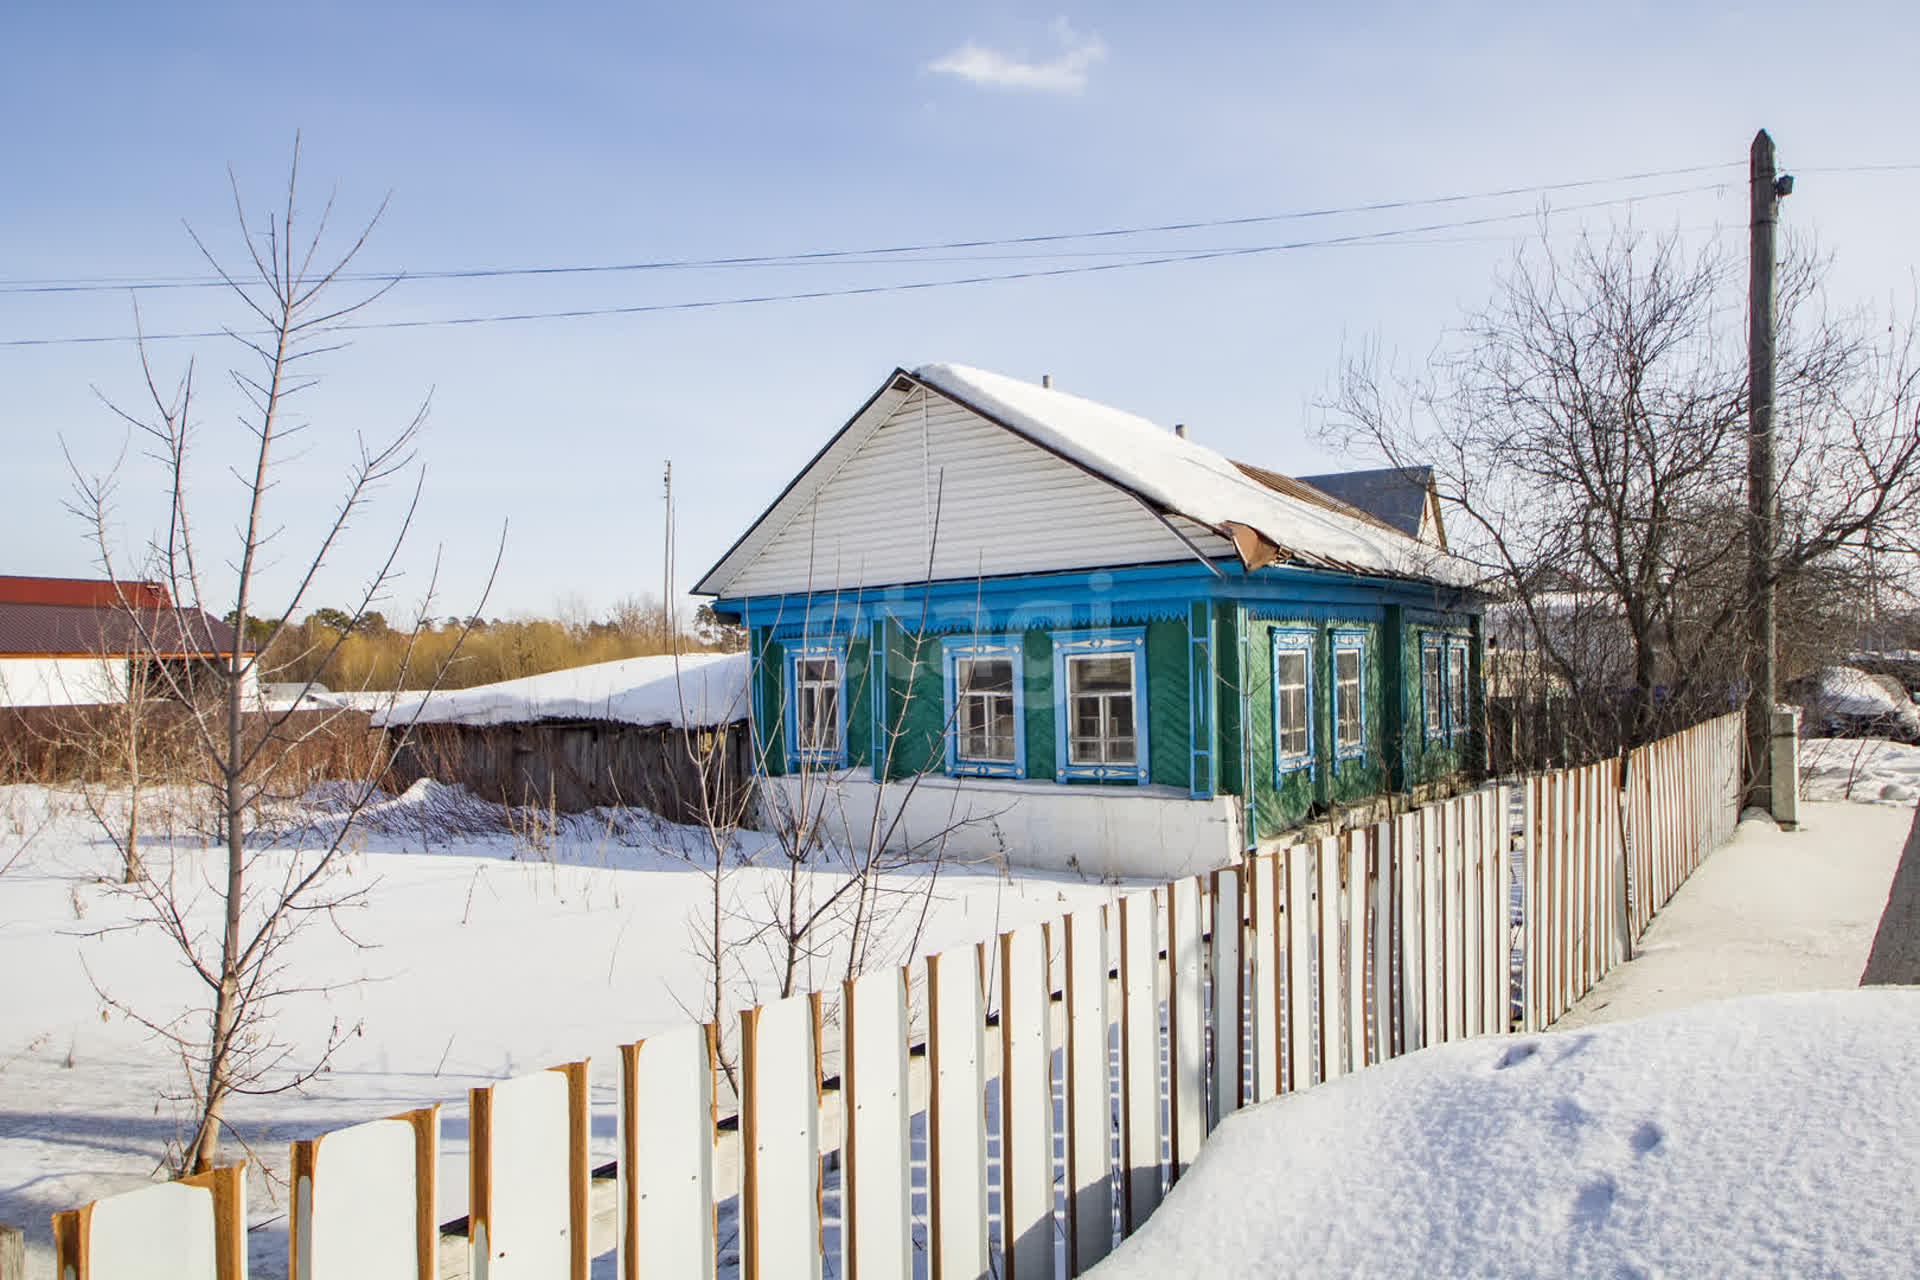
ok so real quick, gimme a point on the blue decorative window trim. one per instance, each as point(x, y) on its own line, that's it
point(1100, 713)
point(972, 717)
point(1433, 687)
point(1459, 677)
point(1292, 669)
point(1347, 690)
point(823, 691)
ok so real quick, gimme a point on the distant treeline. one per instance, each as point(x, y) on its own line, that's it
point(377, 655)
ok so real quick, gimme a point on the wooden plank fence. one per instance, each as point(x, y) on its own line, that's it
point(1063, 1076)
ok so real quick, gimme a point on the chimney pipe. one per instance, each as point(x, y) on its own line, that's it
point(1046, 380)
point(1180, 429)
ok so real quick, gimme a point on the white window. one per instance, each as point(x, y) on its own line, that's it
point(1100, 710)
point(1292, 700)
point(1433, 689)
point(1457, 688)
point(1349, 693)
point(985, 717)
point(817, 706)
point(1100, 705)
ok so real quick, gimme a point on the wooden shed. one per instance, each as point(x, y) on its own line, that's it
point(637, 733)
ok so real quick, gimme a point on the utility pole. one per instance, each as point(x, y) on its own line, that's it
point(1762, 506)
point(666, 570)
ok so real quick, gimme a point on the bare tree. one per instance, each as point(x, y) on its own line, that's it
point(1587, 430)
point(296, 295)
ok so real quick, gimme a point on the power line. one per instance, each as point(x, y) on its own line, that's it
point(885, 253)
point(1349, 240)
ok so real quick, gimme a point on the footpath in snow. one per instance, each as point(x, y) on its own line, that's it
point(1770, 911)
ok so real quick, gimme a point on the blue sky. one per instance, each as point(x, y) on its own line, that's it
point(516, 136)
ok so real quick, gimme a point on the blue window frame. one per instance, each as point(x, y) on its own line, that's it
point(1433, 687)
point(1347, 684)
point(816, 702)
point(1458, 706)
point(1444, 686)
point(985, 708)
point(1292, 664)
point(1100, 705)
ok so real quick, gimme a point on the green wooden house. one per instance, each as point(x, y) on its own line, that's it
point(1018, 624)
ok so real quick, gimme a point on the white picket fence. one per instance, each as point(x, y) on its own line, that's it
point(1013, 1108)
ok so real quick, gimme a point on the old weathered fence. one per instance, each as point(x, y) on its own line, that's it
point(1016, 1108)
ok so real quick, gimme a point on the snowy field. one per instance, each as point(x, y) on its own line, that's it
point(486, 953)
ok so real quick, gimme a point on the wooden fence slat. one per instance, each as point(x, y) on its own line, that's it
point(192, 1229)
point(1139, 1057)
point(779, 1142)
point(1499, 912)
point(1186, 1030)
point(1453, 859)
point(1359, 911)
point(1381, 920)
point(957, 1129)
point(665, 1136)
point(1026, 1105)
point(1472, 912)
point(1225, 979)
point(363, 1201)
point(527, 1177)
point(1432, 923)
point(1326, 925)
point(1413, 979)
point(1267, 957)
point(1303, 1045)
point(878, 1234)
point(1089, 1109)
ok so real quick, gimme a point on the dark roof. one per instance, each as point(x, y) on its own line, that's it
point(83, 630)
point(1396, 496)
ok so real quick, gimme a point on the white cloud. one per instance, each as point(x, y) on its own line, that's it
point(1066, 73)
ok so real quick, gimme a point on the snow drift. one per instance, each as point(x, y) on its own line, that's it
point(1774, 1135)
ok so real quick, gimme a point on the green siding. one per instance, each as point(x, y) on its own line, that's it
point(1169, 702)
point(916, 696)
point(1227, 698)
point(769, 706)
point(1036, 650)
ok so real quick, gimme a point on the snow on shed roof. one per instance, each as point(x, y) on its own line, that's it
point(1179, 475)
point(711, 689)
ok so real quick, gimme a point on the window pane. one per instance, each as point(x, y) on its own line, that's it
point(1101, 675)
point(1431, 702)
point(1290, 702)
point(984, 675)
point(1457, 686)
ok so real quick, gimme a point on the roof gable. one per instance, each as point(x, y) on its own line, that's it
point(1185, 487)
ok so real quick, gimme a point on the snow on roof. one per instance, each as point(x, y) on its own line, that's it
point(710, 689)
point(1766, 1136)
point(1181, 476)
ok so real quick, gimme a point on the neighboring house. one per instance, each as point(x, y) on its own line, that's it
point(633, 732)
point(74, 641)
point(1084, 641)
point(1402, 498)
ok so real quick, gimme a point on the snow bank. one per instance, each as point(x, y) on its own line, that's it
point(1775, 1135)
point(1869, 770)
point(707, 689)
point(1185, 477)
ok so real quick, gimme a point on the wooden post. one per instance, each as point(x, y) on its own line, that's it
point(1766, 188)
point(13, 1254)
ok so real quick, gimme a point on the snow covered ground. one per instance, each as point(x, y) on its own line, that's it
point(1767, 1136)
point(481, 953)
point(1872, 770)
point(1710, 1130)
